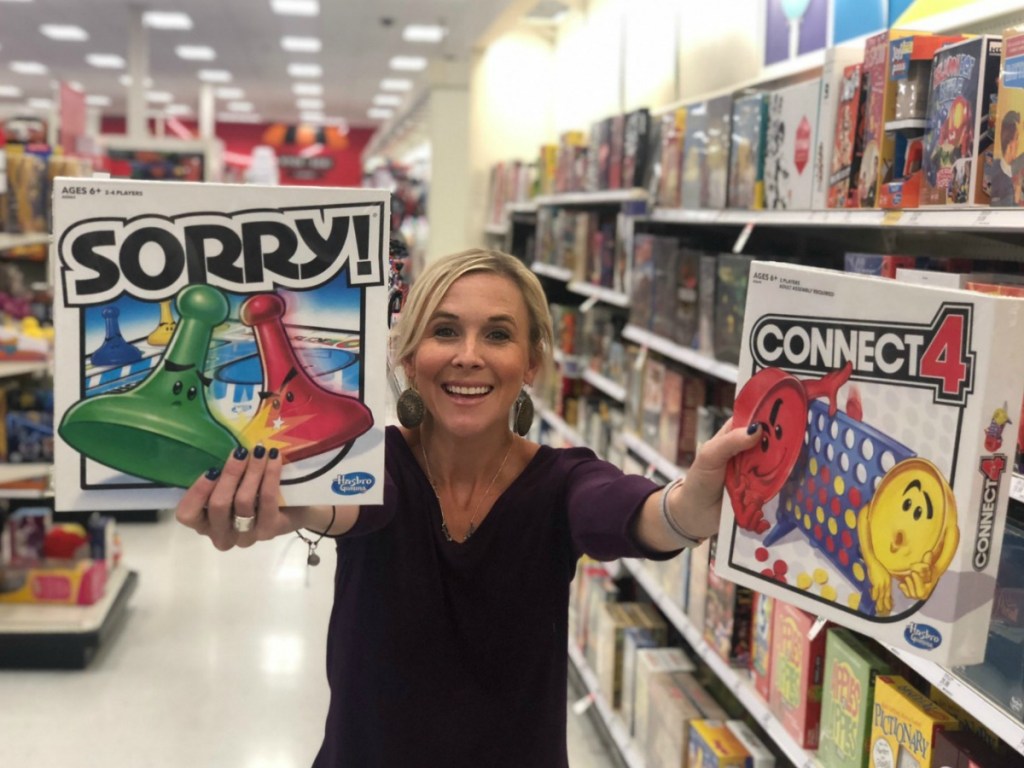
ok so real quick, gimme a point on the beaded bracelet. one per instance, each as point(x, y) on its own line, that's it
point(688, 540)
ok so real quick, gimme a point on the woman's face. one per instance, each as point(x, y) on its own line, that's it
point(474, 356)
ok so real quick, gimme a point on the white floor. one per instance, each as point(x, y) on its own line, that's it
point(219, 663)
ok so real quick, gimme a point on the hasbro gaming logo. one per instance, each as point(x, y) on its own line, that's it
point(353, 483)
point(922, 636)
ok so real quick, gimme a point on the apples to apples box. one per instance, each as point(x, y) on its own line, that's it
point(877, 495)
point(196, 319)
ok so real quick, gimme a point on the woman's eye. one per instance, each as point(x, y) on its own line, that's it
point(500, 335)
point(444, 332)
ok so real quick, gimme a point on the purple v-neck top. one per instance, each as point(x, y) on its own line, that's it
point(454, 655)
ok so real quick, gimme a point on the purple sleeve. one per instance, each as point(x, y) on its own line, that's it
point(602, 504)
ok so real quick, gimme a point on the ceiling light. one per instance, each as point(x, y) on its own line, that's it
point(386, 100)
point(308, 89)
point(10, 92)
point(159, 97)
point(295, 7)
point(395, 84)
point(64, 32)
point(309, 103)
point(423, 33)
point(301, 44)
point(167, 20)
point(215, 75)
point(240, 106)
point(126, 81)
point(311, 116)
point(105, 60)
point(238, 117)
point(408, 63)
point(305, 70)
point(40, 103)
point(28, 68)
point(378, 113)
point(196, 52)
point(229, 92)
point(97, 100)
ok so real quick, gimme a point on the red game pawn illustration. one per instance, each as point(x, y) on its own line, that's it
point(778, 403)
point(114, 351)
point(296, 415)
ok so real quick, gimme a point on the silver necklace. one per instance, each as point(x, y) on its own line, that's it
point(472, 521)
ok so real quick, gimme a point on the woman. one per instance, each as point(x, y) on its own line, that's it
point(447, 640)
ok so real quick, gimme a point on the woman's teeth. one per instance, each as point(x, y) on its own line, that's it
point(467, 391)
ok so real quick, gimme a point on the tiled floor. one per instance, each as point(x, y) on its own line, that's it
point(219, 664)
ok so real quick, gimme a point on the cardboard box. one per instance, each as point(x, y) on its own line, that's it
point(1004, 175)
point(676, 700)
point(713, 745)
point(874, 393)
point(146, 406)
point(905, 724)
point(651, 663)
point(746, 152)
point(761, 643)
point(797, 672)
point(789, 146)
point(759, 755)
point(837, 127)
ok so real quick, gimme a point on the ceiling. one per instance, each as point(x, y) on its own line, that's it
point(245, 34)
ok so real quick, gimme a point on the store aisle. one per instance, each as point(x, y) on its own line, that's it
point(218, 665)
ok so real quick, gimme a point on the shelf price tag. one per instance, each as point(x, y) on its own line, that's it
point(982, 219)
point(588, 305)
point(890, 218)
point(946, 683)
point(741, 241)
point(583, 704)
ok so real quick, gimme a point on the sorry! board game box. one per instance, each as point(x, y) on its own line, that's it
point(193, 320)
point(877, 495)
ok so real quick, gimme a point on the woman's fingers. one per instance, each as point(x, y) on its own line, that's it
point(220, 506)
point(191, 509)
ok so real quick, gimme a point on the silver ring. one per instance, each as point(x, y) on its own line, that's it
point(243, 524)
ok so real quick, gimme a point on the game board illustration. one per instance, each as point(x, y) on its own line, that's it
point(279, 344)
point(876, 494)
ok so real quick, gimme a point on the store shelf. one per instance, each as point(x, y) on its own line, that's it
point(604, 197)
point(498, 230)
point(550, 270)
point(569, 434)
point(607, 295)
point(8, 241)
point(527, 207)
point(636, 445)
point(23, 367)
point(1017, 487)
point(605, 385)
point(689, 357)
point(737, 681)
point(63, 636)
point(995, 719)
point(616, 728)
point(12, 473)
point(909, 124)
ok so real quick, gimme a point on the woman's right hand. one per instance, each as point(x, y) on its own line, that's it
point(248, 487)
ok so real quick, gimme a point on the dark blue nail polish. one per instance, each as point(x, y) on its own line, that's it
point(213, 473)
point(753, 428)
point(273, 453)
point(241, 452)
point(258, 451)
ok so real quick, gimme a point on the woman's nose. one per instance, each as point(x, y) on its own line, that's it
point(467, 353)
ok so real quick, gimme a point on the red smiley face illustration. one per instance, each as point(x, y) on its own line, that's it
point(778, 403)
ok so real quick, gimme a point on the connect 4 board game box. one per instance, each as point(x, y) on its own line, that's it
point(880, 483)
point(195, 319)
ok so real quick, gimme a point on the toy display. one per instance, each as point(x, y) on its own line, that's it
point(1004, 176)
point(792, 126)
point(961, 122)
point(877, 497)
point(279, 299)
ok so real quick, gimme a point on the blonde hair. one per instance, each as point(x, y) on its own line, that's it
point(429, 288)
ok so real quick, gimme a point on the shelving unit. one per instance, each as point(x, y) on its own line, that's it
point(558, 424)
point(63, 636)
point(640, 448)
point(9, 241)
point(606, 197)
point(689, 357)
point(605, 385)
point(736, 681)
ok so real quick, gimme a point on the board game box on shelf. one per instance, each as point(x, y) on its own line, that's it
point(877, 496)
point(196, 319)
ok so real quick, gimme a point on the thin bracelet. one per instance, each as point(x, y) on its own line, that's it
point(688, 540)
point(313, 558)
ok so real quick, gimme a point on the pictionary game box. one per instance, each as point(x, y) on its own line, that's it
point(877, 495)
point(905, 725)
point(195, 319)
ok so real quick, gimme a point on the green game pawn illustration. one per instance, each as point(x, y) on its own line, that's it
point(161, 430)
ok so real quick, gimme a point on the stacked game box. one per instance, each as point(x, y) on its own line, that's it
point(730, 297)
point(195, 319)
point(850, 671)
point(961, 118)
point(715, 175)
point(1004, 176)
point(649, 664)
point(834, 134)
point(762, 619)
point(905, 725)
point(789, 143)
point(676, 700)
point(798, 658)
point(634, 147)
point(694, 153)
point(844, 136)
point(871, 121)
point(746, 152)
point(727, 618)
point(882, 477)
point(673, 135)
point(713, 745)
